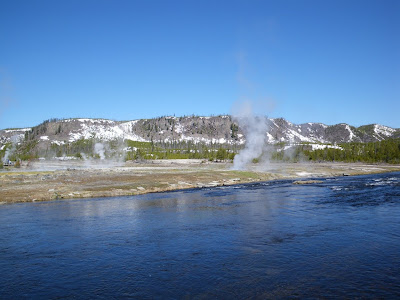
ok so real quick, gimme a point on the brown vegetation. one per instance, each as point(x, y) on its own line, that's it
point(26, 185)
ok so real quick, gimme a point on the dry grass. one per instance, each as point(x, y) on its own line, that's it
point(29, 185)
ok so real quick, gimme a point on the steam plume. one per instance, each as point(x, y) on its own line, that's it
point(14, 140)
point(254, 127)
point(99, 149)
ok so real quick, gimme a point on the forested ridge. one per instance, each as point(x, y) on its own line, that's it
point(215, 138)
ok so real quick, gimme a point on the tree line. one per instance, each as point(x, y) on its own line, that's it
point(387, 151)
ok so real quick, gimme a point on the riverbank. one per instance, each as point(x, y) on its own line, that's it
point(42, 181)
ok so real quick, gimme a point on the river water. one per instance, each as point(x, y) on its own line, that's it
point(337, 238)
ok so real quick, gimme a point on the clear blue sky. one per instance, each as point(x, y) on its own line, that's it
point(309, 61)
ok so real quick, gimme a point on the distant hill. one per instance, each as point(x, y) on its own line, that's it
point(214, 130)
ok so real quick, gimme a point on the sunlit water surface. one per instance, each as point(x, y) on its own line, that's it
point(338, 238)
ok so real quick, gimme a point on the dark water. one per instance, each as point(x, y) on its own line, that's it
point(338, 238)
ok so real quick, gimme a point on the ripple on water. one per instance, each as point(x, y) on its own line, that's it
point(335, 239)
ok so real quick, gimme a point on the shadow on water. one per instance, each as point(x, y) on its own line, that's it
point(337, 238)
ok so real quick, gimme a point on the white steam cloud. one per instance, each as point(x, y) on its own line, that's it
point(254, 127)
point(104, 156)
point(9, 151)
point(99, 150)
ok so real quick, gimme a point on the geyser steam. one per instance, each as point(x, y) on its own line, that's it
point(99, 150)
point(254, 127)
point(14, 140)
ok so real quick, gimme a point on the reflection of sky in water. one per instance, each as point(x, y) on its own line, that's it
point(267, 240)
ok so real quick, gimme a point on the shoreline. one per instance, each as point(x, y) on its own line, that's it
point(55, 180)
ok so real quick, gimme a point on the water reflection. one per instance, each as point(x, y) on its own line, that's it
point(265, 240)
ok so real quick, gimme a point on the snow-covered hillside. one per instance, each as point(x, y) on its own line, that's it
point(215, 129)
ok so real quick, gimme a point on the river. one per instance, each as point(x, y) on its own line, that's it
point(336, 238)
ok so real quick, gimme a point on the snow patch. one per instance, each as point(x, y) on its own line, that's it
point(320, 147)
point(92, 121)
point(292, 134)
point(17, 130)
point(270, 138)
point(351, 134)
point(179, 128)
point(383, 130)
point(273, 122)
point(96, 121)
point(106, 132)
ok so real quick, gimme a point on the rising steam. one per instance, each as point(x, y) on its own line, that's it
point(9, 151)
point(99, 150)
point(104, 156)
point(254, 127)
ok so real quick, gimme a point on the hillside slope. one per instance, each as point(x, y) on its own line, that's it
point(214, 130)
